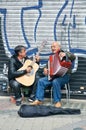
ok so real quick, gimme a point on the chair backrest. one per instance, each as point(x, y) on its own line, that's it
point(75, 65)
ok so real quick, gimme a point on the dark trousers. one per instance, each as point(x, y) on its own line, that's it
point(16, 86)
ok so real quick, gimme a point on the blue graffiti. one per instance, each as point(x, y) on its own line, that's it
point(57, 18)
point(64, 19)
point(22, 25)
point(85, 20)
point(22, 21)
point(74, 50)
point(40, 5)
point(69, 26)
point(4, 12)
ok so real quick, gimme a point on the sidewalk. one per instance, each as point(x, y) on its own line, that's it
point(9, 119)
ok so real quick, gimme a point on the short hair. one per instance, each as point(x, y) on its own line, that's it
point(18, 49)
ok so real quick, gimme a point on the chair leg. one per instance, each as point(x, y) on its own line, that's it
point(51, 95)
point(66, 93)
point(68, 85)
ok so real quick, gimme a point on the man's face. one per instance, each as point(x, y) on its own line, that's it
point(55, 47)
point(22, 53)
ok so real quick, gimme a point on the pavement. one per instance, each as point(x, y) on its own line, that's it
point(10, 120)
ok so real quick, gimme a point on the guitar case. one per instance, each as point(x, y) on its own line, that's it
point(27, 111)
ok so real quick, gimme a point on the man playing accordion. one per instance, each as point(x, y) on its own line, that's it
point(58, 81)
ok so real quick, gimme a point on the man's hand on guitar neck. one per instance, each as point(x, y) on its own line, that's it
point(37, 58)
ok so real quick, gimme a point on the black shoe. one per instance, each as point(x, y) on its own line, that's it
point(18, 103)
point(31, 98)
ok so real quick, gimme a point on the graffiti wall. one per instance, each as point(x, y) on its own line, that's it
point(30, 22)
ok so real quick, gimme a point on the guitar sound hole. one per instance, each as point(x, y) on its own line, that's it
point(31, 73)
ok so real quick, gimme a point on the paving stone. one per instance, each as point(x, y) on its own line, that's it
point(9, 119)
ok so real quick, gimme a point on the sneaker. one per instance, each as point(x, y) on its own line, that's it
point(18, 102)
point(31, 98)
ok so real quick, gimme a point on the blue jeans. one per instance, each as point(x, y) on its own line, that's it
point(57, 83)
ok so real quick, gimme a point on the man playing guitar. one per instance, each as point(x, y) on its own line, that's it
point(15, 63)
point(56, 82)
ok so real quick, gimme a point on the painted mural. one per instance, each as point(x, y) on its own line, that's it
point(29, 22)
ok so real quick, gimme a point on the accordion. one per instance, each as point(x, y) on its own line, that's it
point(56, 67)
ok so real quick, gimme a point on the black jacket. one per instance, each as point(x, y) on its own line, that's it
point(14, 65)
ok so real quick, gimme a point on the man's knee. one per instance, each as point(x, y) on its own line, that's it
point(14, 84)
point(42, 83)
point(41, 80)
point(55, 81)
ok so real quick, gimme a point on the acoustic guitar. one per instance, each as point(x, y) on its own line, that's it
point(29, 78)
